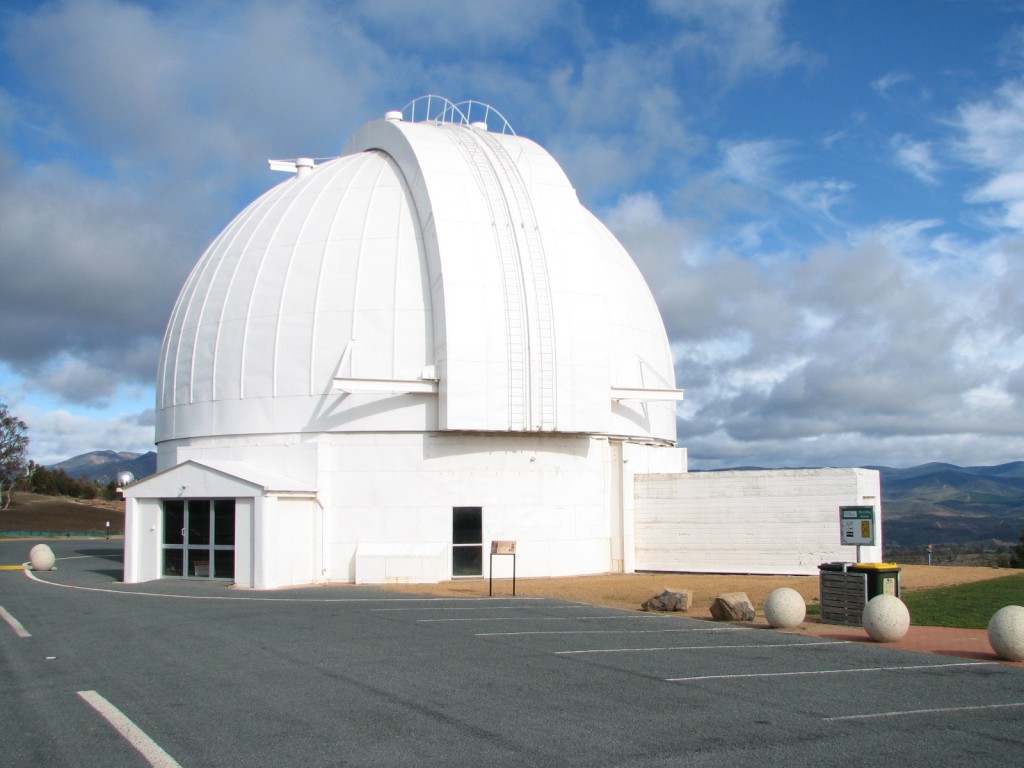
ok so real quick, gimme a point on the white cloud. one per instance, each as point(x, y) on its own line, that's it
point(761, 165)
point(902, 90)
point(992, 132)
point(57, 435)
point(741, 37)
point(192, 92)
point(915, 157)
point(852, 354)
point(612, 120)
point(754, 163)
point(468, 26)
point(84, 261)
point(818, 196)
point(890, 80)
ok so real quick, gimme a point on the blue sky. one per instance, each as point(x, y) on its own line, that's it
point(826, 198)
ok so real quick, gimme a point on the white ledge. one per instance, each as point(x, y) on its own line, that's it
point(643, 393)
point(385, 386)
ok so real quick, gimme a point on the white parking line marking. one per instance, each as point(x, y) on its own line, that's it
point(134, 735)
point(34, 577)
point(16, 625)
point(551, 618)
point(609, 631)
point(475, 608)
point(938, 710)
point(703, 647)
point(912, 668)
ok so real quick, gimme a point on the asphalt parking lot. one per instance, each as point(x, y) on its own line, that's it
point(194, 673)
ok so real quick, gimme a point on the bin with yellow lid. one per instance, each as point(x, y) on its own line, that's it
point(882, 578)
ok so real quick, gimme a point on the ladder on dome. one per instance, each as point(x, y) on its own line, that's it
point(536, 267)
point(483, 173)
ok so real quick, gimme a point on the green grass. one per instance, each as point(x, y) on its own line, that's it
point(969, 606)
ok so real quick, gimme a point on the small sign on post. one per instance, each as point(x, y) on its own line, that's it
point(502, 548)
point(857, 527)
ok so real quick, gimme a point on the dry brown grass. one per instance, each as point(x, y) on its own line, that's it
point(630, 590)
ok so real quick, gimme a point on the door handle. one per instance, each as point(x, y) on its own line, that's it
point(183, 533)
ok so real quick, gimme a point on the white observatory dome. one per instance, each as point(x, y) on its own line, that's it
point(437, 276)
point(426, 350)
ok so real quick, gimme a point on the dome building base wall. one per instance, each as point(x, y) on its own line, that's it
point(390, 495)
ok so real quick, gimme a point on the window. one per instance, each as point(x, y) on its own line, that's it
point(199, 538)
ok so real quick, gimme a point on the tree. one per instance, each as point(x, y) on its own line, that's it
point(1017, 553)
point(13, 447)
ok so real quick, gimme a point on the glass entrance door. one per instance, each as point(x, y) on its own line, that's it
point(199, 538)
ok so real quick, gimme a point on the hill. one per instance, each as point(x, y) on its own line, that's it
point(103, 466)
point(948, 504)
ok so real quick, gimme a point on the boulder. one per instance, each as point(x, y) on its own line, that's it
point(1006, 633)
point(670, 600)
point(42, 558)
point(886, 619)
point(732, 606)
point(785, 608)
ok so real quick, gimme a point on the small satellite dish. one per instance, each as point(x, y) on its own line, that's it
point(125, 478)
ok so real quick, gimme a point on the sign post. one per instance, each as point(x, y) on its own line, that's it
point(857, 527)
point(502, 548)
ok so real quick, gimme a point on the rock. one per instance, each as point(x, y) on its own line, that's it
point(732, 606)
point(1006, 632)
point(785, 608)
point(670, 600)
point(885, 618)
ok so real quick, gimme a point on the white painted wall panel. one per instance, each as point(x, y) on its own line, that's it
point(292, 551)
point(143, 534)
point(778, 521)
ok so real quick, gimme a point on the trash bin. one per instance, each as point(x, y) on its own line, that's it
point(883, 578)
point(843, 593)
point(834, 566)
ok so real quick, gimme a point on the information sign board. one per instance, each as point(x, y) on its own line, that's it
point(858, 526)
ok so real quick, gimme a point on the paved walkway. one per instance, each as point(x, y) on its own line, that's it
point(944, 641)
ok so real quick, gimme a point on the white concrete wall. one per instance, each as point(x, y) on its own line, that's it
point(402, 563)
point(764, 521)
point(547, 493)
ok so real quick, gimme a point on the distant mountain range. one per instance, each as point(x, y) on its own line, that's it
point(947, 504)
point(103, 466)
point(929, 504)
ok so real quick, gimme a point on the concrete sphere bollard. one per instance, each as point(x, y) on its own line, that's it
point(1006, 632)
point(41, 557)
point(886, 619)
point(785, 608)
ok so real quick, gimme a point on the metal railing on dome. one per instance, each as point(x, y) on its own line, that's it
point(437, 109)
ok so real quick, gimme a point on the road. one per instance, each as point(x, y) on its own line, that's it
point(208, 675)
